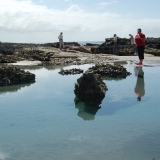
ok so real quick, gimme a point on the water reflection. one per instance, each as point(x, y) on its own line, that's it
point(86, 111)
point(139, 88)
point(112, 79)
point(14, 88)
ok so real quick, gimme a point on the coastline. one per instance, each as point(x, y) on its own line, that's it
point(48, 54)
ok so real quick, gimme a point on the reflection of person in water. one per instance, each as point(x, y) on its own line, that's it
point(139, 88)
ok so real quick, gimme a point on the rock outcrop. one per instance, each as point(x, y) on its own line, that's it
point(90, 88)
point(56, 44)
point(125, 48)
point(13, 75)
point(71, 71)
point(110, 71)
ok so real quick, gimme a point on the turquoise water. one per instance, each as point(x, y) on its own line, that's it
point(41, 120)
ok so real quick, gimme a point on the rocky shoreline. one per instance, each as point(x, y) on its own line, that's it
point(49, 55)
point(73, 53)
point(126, 49)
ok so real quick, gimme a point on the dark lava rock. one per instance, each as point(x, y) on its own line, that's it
point(6, 59)
point(13, 75)
point(90, 44)
point(90, 88)
point(71, 71)
point(125, 48)
point(108, 70)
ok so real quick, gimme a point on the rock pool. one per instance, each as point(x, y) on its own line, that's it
point(41, 120)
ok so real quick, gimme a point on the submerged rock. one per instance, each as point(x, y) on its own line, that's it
point(90, 88)
point(13, 75)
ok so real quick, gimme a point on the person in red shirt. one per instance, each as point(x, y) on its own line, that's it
point(140, 43)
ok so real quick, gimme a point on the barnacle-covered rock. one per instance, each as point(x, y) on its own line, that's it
point(108, 70)
point(90, 88)
point(13, 75)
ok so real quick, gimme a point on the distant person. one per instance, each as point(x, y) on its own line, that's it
point(132, 39)
point(61, 44)
point(116, 45)
point(133, 44)
point(140, 43)
point(139, 88)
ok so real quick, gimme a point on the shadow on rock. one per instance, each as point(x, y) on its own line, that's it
point(87, 111)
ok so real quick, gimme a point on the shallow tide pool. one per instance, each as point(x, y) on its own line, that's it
point(41, 120)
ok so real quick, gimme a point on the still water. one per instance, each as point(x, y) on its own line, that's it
point(40, 121)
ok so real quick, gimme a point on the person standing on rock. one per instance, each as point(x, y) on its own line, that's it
point(133, 44)
point(140, 39)
point(61, 44)
point(132, 39)
point(116, 45)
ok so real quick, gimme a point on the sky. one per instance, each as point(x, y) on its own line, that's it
point(41, 21)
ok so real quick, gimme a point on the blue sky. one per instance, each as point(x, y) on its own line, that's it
point(90, 20)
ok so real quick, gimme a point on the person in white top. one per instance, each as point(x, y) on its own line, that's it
point(61, 44)
point(133, 43)
point(132, 39)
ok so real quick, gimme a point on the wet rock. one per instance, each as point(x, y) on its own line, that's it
point(13, 75)
point(71, 71)
point(108, 70)
point(90, 88)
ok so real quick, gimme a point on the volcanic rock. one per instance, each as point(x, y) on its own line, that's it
point(71, 71)
point(108, 70)
point(90, 88)
point(13, 75)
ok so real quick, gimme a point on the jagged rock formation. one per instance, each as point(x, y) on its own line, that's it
point(90, 88)
point(108, 70)
point(71, 71)
point(13, 75)
point(125, 48)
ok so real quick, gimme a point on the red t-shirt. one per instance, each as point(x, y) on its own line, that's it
point(138, 41)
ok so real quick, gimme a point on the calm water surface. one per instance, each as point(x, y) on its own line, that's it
point(41, 120)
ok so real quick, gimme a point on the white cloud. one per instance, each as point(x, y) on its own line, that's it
point(24, 21)
point(74, 8)
point(103, 4)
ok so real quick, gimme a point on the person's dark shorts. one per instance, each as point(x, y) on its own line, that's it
point(141, 51)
